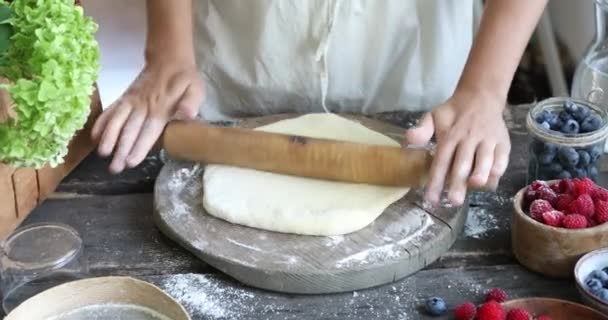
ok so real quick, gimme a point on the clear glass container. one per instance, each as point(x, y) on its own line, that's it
point(38, 257)
point(557, 155)
point(590, 82)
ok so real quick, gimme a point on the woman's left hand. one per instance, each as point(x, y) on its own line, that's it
point(472, 145)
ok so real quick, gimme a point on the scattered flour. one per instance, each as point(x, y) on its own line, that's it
point(334, 241)
point(208, 298)
point(479, 223)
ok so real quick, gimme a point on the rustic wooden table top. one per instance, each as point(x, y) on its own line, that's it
point(114, 216)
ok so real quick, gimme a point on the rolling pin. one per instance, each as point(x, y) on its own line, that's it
point(297, 155)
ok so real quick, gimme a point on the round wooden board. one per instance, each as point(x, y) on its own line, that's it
point(404, 239)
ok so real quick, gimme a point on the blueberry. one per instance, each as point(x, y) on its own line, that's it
point(581, 113)
point(564, 116)
point(545, 125)
point(564, 175)
point(545, 158)
point(568, 157)
point(600, 275)
point(570, 106)
point(554, 168)
point(592, 173)
point(580, 173)
point(603, 295)
point(570, 127)
point(545, 115)
point(584, 159)
point(539, 147)
point(594, 284)
point(595, 152)
point(591, 123)
point(435, 306)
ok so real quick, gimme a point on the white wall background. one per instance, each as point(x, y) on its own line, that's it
point(122, 35)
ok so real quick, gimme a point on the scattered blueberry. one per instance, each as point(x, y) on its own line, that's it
point(591, 123)
point(564, 175)
point(435, 306)
point(584, 159)
point(570, 127)
point(568, 157)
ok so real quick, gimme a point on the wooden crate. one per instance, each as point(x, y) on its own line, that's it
point(22, 189)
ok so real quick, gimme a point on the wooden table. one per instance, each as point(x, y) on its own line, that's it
point(114, 216)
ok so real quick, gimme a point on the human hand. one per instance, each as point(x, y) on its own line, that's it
point(130, 126)
point(472, 145)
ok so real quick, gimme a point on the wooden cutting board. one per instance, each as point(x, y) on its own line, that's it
point(404, 239)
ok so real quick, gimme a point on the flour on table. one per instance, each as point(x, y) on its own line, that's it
point(479, 222)
point(208, 298)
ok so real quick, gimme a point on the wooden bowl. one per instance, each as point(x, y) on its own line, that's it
point(555, 308)
point(597, 259)
point(549, 250)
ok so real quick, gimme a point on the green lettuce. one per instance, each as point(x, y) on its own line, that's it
point(53, 63)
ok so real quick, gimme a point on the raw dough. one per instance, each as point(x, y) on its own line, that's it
point(299, 205)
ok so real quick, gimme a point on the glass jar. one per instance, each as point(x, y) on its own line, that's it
point(558, 155)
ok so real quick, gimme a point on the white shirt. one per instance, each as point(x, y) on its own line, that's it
point(261, 57)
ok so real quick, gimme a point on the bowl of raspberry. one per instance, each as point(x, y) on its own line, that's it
point(591, 275)
point(556, 222)
point(549, 309)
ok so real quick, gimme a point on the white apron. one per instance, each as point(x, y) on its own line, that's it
point(260, 57)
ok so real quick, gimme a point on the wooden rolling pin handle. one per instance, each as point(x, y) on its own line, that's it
point(296, 155)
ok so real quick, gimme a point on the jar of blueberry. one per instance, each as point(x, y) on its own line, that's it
point(568, 139)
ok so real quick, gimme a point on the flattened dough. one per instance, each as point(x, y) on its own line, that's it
point(299, 205)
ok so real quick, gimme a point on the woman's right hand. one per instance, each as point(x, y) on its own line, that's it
point(130, 127)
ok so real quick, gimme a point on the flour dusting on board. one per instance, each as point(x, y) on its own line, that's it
point(208, 298)
point(479, 222)
point(390, 250)
point(183, 181)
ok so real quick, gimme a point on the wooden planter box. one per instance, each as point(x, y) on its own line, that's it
point(22, 189)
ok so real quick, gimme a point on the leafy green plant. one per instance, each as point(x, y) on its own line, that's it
point(52, 62)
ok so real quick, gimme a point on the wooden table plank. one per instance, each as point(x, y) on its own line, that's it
point(119, 234)
point(213, 297)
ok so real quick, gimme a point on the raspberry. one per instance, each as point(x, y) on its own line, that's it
point(546, 193)
point(599, 193)
point(537, 184)
point(583, 205)
point(566, 186)
point(562, 202)
point(496, 295)
point(574, 221)
point(465, 311)
point(601, 211)
point(518, 314)
point(555, 188)
point(583, 186)
point(591, 223)
point(529, 196)
point(491, 311)
point(553, 218)
point(538, 207)
point(543, 318)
